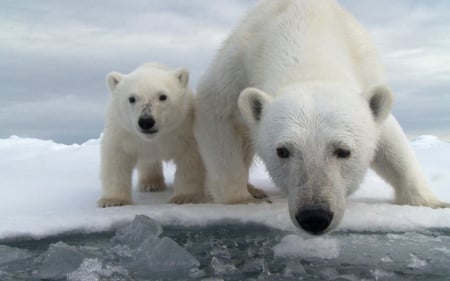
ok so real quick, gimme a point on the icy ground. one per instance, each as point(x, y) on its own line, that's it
point(142, 250)
point(49, 191)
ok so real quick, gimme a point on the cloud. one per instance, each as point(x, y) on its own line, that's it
point(413, 40)
point(55, 54)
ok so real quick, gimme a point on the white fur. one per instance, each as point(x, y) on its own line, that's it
point(318, 88)
point(125, 146)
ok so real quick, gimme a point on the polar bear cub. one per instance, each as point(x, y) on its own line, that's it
point(149, 120)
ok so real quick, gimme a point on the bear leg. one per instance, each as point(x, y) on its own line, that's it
point(221, 147)
point(151, 177)
point(116, 171)
point(396, 163)
point(189, 178)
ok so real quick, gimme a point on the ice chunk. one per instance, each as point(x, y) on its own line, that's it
point(222, 266)
point(220, 251)
point(5, 276)
point(380, 274)
point(416, 263)
point(60, 259)
point(93, 270)
point(253, 265)
point(139, 230)
point(292, 246)
point(161, 257)
point(87, 271)
point(294, 270)
point(10, 254)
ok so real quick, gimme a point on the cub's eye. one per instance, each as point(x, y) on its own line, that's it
point(283, 152)
point(132, 99)
point(342, 153)
point(163, 97)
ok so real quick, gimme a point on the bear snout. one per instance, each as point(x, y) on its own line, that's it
point(147, 124)
point(314, 219)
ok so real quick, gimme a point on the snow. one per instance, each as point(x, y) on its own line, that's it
point(50, 189)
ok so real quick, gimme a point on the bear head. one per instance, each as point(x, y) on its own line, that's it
point(150, 101)
point(317, 143)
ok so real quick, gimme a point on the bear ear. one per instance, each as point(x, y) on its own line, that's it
point(113, 79)
point(183, 77)
point(252, 103)
point(380, 101)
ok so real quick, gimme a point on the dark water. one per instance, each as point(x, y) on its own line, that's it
point(226, 251)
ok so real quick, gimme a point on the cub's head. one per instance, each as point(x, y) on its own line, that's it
point(317, 144)
point(150, 101)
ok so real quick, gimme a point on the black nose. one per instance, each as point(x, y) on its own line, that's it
point(146, 123)
point(314, 219)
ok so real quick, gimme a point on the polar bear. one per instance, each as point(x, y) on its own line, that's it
point(300, 83)
point(149, 120)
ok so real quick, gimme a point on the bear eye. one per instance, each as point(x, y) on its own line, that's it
point(342, 153)
point(132, 100)
point(163, 97)
point(283, 152)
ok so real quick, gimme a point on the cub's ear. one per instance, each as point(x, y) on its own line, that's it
point(380, 101)
point(252, 103)
point(183, 77)
point(113, 79)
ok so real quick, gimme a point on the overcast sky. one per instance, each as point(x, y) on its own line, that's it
point(54, 56)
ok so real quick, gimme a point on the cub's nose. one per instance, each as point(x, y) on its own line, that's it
point(146, 123)
point(314, 219)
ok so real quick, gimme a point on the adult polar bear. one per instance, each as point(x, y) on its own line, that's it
point(317, 113)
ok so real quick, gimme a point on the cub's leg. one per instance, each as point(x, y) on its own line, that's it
point(116, 172)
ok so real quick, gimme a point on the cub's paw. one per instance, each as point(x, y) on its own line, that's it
point(111, 202)
point(155, 186)
point(187, 199)
point(256, 192)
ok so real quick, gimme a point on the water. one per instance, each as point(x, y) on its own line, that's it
point(143, 250)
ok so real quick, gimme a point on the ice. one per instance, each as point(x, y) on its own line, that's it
point(139, 230)
point(208, 241)
point(10, 254)
point(296, 246)
point(223, 266)
point(236, 251)
point(161, 257)
point(254, 265)
point(60, 259)
point(93, 270)
point(416, 262)
point(146, 255)
point(293, 269)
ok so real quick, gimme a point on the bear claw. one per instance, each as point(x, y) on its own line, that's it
point(105, 203)
point(256, 192)
point(152, 187)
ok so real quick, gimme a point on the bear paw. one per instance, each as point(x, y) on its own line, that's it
point(152, 187)
point(425, 200)
point(256, 192)
point(186, 199)
point(111, 202)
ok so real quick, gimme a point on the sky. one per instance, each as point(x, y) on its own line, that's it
point(54, 56)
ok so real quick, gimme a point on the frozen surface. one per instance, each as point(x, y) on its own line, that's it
point(140, 229)
point(9, 254)
point(234, 251)
point(59, 260)
point(293, 246)
point(51, 189)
